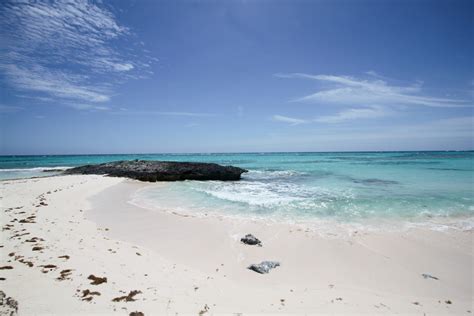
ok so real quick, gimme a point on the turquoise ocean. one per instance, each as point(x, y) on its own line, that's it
point(363, 189)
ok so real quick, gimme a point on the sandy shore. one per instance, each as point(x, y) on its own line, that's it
point(58, 231)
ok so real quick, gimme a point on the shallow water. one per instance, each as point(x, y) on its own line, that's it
point(411, 187)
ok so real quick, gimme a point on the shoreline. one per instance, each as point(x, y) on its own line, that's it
point(182, 264)
point(325, 227)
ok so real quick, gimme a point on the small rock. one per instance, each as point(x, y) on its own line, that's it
point(9, 306)
point(429, 276)
point(250, 239)
point(264, 266)
point(204, 310)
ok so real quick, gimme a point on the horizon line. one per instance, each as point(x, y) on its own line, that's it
point(243, 152)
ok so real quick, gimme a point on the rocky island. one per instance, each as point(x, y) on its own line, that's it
point(153, 171)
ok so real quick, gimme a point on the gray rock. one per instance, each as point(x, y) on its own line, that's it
point(250, 239)
point(8, 306)
point(264, 266)
point(153, 171)
point(429, 276)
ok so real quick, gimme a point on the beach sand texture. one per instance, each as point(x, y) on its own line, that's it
point(74, 245)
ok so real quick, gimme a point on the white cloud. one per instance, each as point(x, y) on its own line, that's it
point(351, 91)
point(286, 119)
point(125, 111)
point(66, 49)
point(86, 106)
point(60, 84)
point(340, 117)
point(193, 114)
point(9, 108)
point(372, 73)
point(353, 114)
point(456, 133)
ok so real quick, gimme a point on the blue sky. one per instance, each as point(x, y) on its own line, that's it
point(235, 76)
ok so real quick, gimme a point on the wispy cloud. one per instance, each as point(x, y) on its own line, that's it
point(59, 84)
point(66, 50)
point(454, 133)
point(87, 106)
point(372, 73)
point(125, 111)
point(287, 119)
point(340, 117)
point(352, 91)
point(354, 114)
point(10, 108)
point(192, 114)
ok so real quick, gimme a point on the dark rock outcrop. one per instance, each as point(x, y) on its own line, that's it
point(250, 239)
point(153, 171)
point(264, 266)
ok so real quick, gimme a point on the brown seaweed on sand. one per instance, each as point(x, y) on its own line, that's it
point(28, 263)
point(34, 239)
point(97, 280)
point(64, 275)
point(48, 268)
point(127, 298)
point(89, 292)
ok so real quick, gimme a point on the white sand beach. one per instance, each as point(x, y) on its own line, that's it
point(58, 231)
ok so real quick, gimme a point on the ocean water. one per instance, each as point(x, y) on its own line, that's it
point(377, 189)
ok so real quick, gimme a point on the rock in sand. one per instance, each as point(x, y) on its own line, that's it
point(264, 266)
point(250, 239)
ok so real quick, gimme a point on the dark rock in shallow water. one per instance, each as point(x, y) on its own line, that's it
point(250, 239)
point(162, 170)
point(264, 266)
